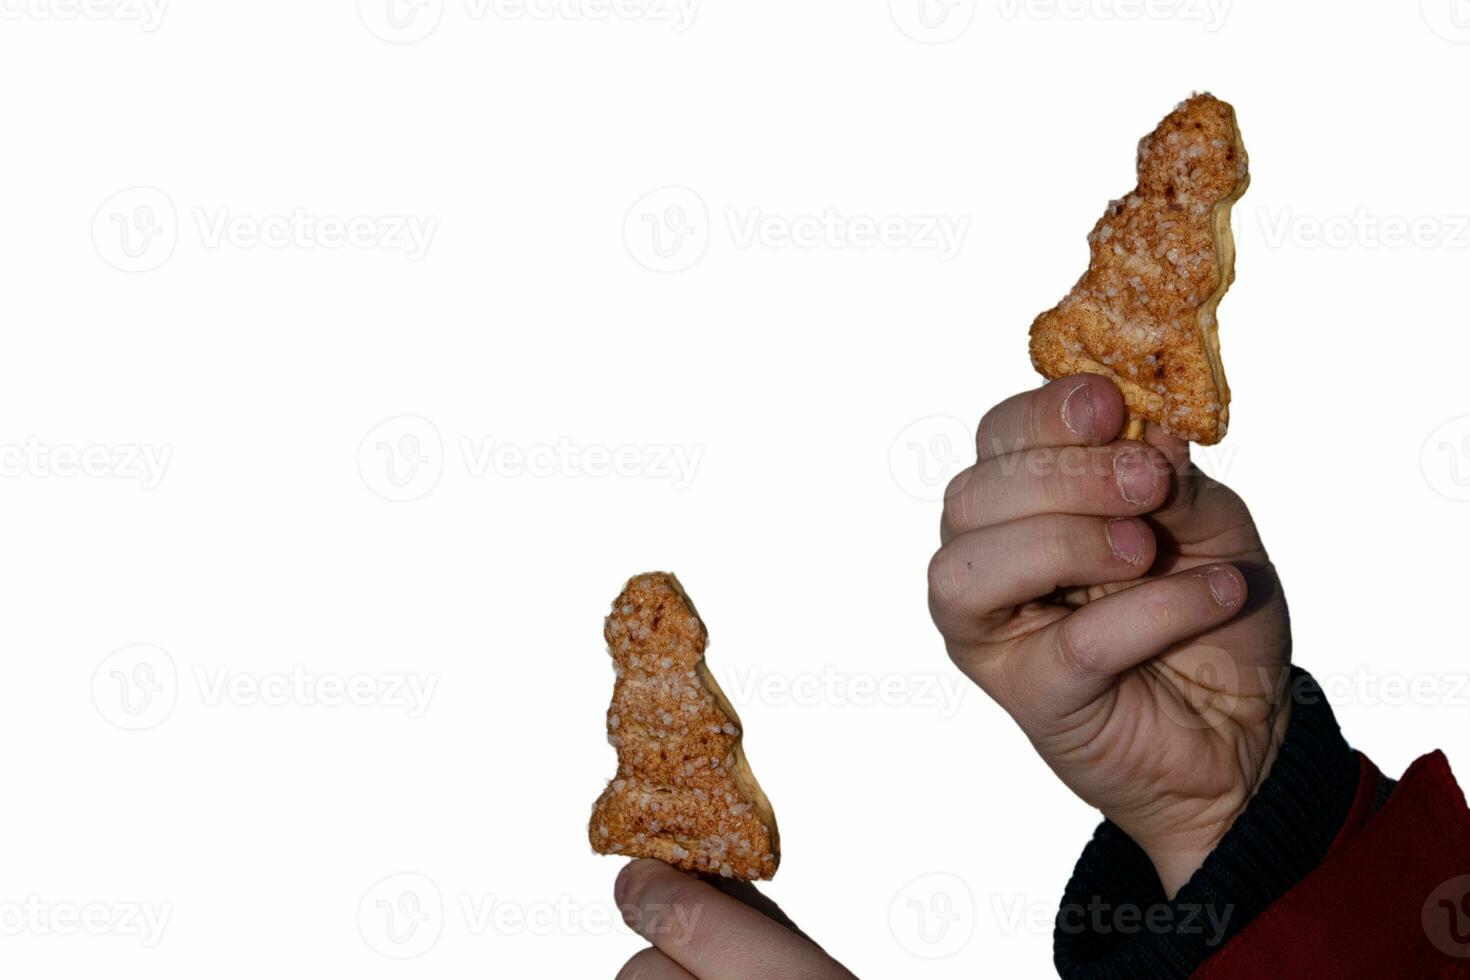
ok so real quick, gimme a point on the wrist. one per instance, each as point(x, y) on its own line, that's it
point(1177, 856)
point(1276, 841)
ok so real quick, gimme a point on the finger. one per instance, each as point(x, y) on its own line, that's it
point(1074, 661)
point(1173, 447)
point(1081, 410)
point(746, 893)
point(653, 965)
point(1124, 479)
point(710, 934)
point(1201, 514)
point(1000, 567)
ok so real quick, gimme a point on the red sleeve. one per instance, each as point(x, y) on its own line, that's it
point(1390, 899)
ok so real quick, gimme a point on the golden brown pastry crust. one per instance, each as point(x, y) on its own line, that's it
point(684, 793)
point(1162, 258)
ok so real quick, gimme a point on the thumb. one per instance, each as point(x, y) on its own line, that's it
point(1199, 508)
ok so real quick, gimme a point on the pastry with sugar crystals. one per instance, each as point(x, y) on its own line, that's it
point(684, 793)
point(1162, 258)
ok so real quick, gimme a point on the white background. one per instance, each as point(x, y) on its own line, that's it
point(821, 391)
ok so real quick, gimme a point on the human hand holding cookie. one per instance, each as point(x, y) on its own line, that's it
point(1121, 607)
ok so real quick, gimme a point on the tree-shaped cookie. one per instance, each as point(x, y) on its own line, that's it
point(684, 793)
point(1162, 258)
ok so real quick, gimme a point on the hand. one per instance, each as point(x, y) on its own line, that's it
point(716, 929)
point(1118, 603)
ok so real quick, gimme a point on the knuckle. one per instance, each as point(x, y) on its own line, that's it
point(1161, 469)
point(646, 884)
point(1033, 421)
point(1078, 658)
point(941, 580)
point(985, 436)
point(1053, 482)
point(949, 580)
point(1056, 541)
point(669, 910)
point(959, 499)
point(995, 423)
point(1162, 615)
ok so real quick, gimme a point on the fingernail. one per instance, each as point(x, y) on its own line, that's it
point(620, 886)
point(1078, 412)
point(1223, 586)
point(1126, 540)
point(1134, 474)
